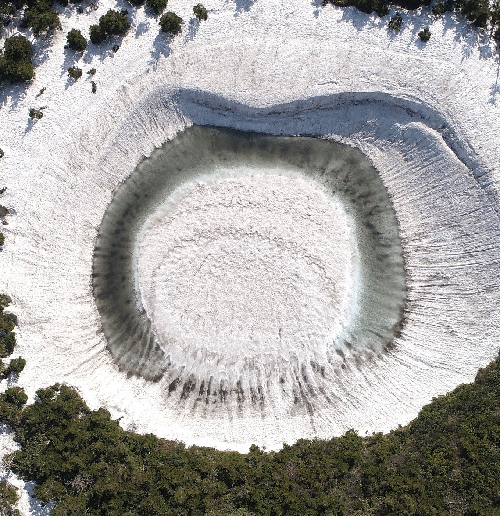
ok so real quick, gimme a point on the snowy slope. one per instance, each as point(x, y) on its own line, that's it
point(427, 115)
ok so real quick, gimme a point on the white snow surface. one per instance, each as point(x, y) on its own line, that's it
point(427, 115)
point(247, 267)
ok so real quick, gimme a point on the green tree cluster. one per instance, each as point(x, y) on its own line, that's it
point(15, 62)
point(447, 461)
point(481, 13)
point(495, 20)
point(6, 13)
point(2, 190)
point(439, 9)
point(476, 11)
point(113, 23)
point(39, 15)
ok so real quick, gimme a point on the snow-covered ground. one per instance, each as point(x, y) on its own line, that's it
point(427, 115)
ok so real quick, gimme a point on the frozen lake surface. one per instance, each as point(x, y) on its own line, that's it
point(250, 273)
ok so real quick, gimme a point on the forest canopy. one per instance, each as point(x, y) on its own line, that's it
point(447, 461)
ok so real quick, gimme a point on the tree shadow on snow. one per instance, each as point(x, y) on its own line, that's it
point(36, 507)
point(318, 6)
point(360, 20)
point(495, 87)
point(243, 5)
point(194, 25)
point(142, 28)
point(13, 93)
point(161, 47)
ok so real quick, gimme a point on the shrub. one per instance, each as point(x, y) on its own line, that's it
point(114, 23)
point(15, 63)
point(8, 499)
point(17, 48)
point(40, 17)
point(171, 23)
point(16, 72)
point(75, 73)
point(157, 6)
point(424, 35)
point(94, 87)
point(16, 365)
point(2, 239)
point(200, 12)
point(5, 301)
point(7, 344)
point(365, 6)
point(92, 71)
point(97, 34)
point(15, 396)
point(76, 41)
point(111, 23)
point(395, 22)
point(439, 9)
point(4, 211)
point(476, 11)
point(6, 323)
point(136, 2)
point(35, 114)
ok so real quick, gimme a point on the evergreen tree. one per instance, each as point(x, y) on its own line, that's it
point(171, 23)
point(76, 41)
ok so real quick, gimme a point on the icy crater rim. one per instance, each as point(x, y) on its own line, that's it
point(248, 262)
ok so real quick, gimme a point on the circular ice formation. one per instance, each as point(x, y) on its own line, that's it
point(248, 274)
point(248, 267)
